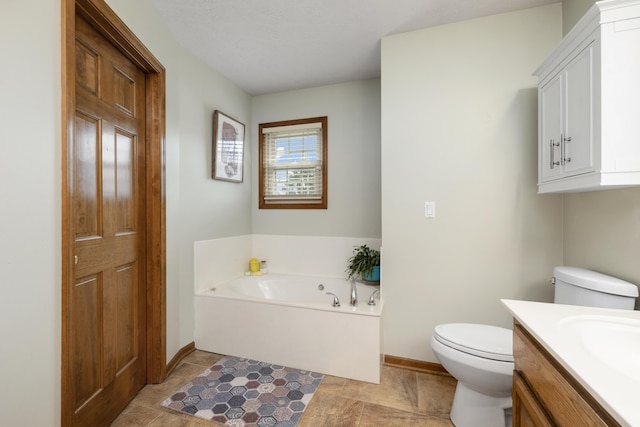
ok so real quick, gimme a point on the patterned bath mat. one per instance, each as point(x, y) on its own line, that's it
point(245, 392)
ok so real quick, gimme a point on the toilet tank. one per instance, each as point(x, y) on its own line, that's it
point(579, 286)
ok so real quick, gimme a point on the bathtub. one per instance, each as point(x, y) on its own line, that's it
point(290, 320)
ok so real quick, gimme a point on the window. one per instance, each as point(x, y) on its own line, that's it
point(293, 164)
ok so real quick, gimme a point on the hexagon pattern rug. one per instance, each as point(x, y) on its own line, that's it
point(244, 392)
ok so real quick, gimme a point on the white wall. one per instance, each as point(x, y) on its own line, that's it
point(197, 206)
point(459, 127)
point(572, 11)
point(208, 208)
point(602, 232)
point(30, 215)
point(353, 111)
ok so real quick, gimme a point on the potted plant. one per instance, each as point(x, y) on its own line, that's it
point(365, 262)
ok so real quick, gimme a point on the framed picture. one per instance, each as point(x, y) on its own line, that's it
point(228, 148)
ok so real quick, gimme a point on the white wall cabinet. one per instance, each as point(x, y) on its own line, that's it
point(566, 105)
point(589, 103)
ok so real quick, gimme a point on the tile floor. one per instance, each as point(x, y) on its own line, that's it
point(403, 398)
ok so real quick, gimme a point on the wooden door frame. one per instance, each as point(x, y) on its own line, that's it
point(100, 15)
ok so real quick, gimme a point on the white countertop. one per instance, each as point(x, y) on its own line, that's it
point(617, 392)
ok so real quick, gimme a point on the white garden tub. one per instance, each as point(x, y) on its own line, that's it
point(291, 321)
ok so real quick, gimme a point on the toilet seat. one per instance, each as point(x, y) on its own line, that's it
point(486, 341)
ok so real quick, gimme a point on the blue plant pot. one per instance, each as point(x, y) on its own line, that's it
point(373, 276)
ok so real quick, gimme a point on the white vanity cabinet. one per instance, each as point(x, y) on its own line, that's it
point(589, 103)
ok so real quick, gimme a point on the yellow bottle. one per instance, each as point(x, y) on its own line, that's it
point(254, 265)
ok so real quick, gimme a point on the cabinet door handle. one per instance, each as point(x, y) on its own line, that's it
point(552, 162)
point(563, 149)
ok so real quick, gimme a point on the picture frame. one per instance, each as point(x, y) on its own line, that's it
point(228, 148)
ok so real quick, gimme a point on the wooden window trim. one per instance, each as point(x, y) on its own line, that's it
point(261, 181)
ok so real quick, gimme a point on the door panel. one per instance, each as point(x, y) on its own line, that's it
point(127, 323)
point(579, 114)
point(107, 301)
point(125, 190)
point(85, 343)
point(551, 121)
point(87, 67)
point(86, 178)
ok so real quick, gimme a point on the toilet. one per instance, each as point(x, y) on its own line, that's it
point(480, 357)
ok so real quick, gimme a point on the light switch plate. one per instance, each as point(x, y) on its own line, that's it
point(429, 209)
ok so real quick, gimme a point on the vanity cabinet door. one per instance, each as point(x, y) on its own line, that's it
point(543, 386)
point(527, 411)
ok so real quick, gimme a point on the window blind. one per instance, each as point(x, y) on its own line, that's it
point(292, 161)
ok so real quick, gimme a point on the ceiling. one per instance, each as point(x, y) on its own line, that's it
point(267, 46)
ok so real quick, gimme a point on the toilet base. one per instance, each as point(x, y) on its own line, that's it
point(473, 409)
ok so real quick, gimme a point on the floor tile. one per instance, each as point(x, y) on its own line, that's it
point(435, 394)
point(330, 410)
point(332, 384)
point(382, 416)
point(135, 415)
point(397, 389)
point(202, 358)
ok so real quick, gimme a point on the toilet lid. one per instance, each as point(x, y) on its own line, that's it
point(489, 342)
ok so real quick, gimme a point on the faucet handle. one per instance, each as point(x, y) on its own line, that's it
point(336, 301)
point(372, 298)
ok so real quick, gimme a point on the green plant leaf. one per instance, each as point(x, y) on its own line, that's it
point(362, 261)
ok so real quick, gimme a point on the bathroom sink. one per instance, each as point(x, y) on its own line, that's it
point(612, 341)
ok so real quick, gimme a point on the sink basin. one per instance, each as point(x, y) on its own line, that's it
point(613, 341)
